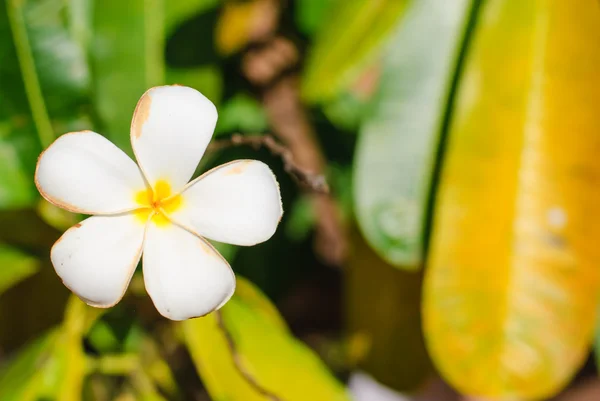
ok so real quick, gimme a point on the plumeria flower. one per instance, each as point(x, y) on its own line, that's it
point(151, 208)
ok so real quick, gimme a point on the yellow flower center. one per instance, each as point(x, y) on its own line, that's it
point(157, 202)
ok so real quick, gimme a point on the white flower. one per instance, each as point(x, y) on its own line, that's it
point(152, 208)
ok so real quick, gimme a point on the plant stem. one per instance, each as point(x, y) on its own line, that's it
point(117, 365)
point(154, 42)
point(30, 77)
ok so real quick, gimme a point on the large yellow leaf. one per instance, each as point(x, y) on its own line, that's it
point(510, 294)
point(245, 352)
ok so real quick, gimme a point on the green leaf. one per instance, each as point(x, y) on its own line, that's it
point(242, 113)
point(356, 29)
point(60, 61)
point(301, 219)
point(80, 22)
point(207, 79)
point(310, 15)
point(15, 266)
point(56, 217)
point(234, 354)
point(179, 11)
point(127, 59)
point(127, 55)
point(44, 80)
point(103, 338)
point(16, 182)
point(228, 251)
point(347, 110)
point(398, 144)
point(54, 366)
point(65, 371)
point(20, 379)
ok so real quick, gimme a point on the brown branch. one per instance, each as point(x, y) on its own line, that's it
point(238, 362)
point(292, 126)
point(306, 178)
point(271, 68)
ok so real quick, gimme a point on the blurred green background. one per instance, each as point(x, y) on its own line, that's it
point(455, 257)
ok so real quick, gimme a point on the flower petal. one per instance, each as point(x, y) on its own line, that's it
point(97, 257)
point(184, 275)
point(84, 172)
point(236, 203)
point(171, 127)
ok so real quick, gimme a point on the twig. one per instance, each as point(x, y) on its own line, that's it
point(315, 182)
point(292, 126)
point(237, 361)
point(272, 69)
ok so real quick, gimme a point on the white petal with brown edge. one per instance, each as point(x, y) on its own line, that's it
point(184, 275)
point(84, 172)
point(171, 128)
point(97, 257)
point(236, 203)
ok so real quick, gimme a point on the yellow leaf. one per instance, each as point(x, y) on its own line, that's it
point(244, 352)
point(241, 22)
point(511, 289)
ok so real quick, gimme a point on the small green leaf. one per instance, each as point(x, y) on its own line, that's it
point(56, 217)
point(15, 266)
point(356, 29)
point(207, 79)
point(301, 219)
point(398, 144)
point(16, 184)
point(242, 113)
point(228, 251)
point(346, 111)
point(234, 354)
point(103, 338)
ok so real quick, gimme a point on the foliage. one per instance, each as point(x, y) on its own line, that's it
point(398, 147)
point(242, 336)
